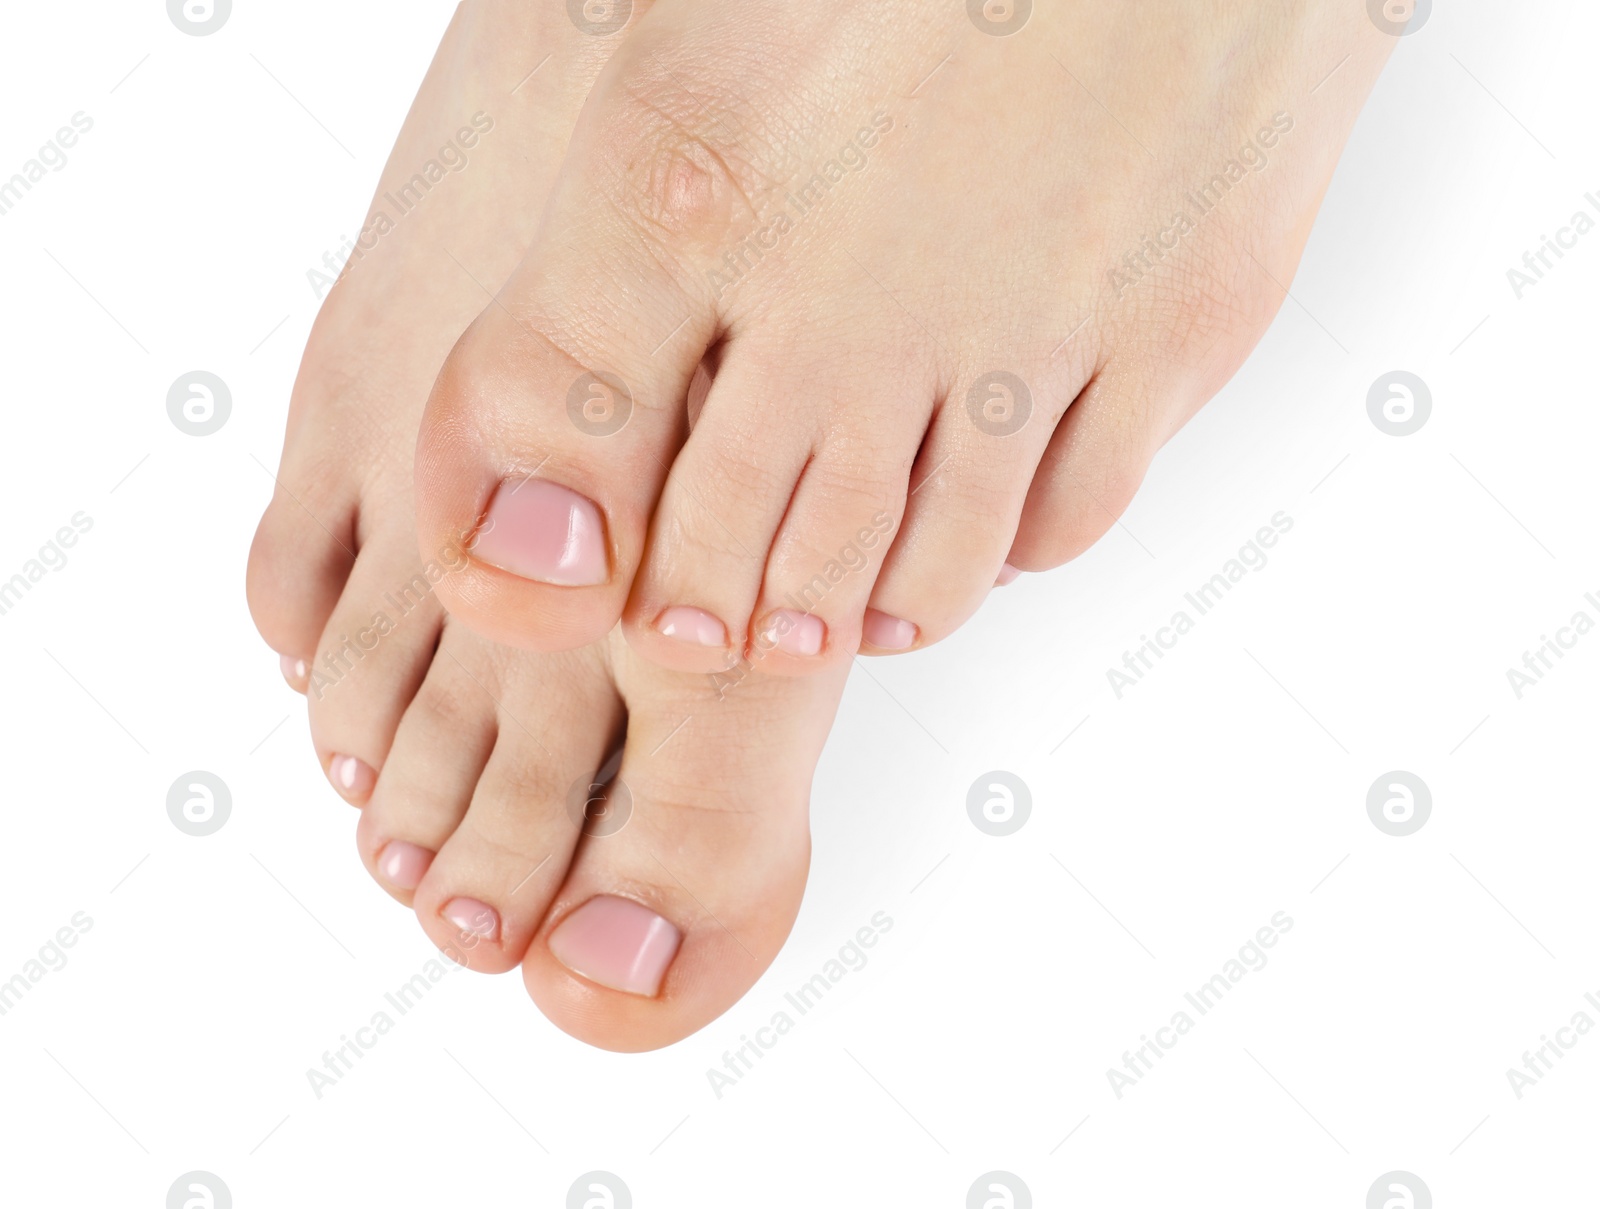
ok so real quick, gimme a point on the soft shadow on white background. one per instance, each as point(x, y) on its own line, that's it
point(1227, 788)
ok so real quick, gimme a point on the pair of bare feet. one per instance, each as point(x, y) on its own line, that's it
point(788, 330)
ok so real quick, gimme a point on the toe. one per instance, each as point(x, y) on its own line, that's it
point(713, 526)
point(436, 759)
point(491, 882)
point(723, 506)
point(371, 658)
point(967, 492)
point(555, 420)
point(775, 518)
point(812, 611)
point(1096, 459)
point(666, 921)
point(299, 561)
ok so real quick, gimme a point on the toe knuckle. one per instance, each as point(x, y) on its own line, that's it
point(677, 176)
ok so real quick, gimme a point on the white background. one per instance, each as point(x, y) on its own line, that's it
point(1229, 785)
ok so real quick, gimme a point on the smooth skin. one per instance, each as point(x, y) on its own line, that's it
point(471, 763)
point(955, 359)
point(957, 284)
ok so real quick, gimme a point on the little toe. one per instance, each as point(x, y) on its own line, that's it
point(301, 557)
point(1095, 462)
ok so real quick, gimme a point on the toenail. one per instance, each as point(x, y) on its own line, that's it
point(541, 530)
point(794, 633)
point(473, 918)
point(618, 943)
point(689, 624)
point(1007, 574)
point(351, 777)
point(887, 633)
point(404, 865)
point(294, 671)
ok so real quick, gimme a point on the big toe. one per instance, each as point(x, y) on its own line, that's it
point(675, 906)
point(554, 423)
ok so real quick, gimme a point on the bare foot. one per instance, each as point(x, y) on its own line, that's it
point(962, 273)
point(473, 764)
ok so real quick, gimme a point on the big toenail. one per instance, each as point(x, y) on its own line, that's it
point(351, 777)
point(473, 918)
point(1007, 574)
point(403, 865)
point(544, 531)
point(887, 633)
point(617, 943)
point(689, 624)
point(794, 633)
point(294, 671)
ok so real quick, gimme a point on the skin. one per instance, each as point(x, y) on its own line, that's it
point(1025, 204)
point(999, 219)
point(476, 747)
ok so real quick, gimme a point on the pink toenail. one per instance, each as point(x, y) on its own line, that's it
point(794, 633)
point(1007, 574)
point(617, 943)
point(403, 865)
point(544, 531)
point(473, 918)
point(351, 777)
point(887, 633)
point(689, 624)
point(294, 671)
